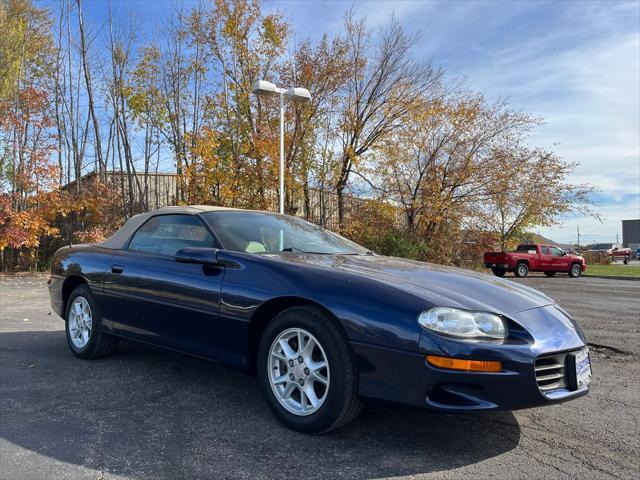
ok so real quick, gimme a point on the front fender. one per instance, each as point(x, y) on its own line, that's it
point(370, 312)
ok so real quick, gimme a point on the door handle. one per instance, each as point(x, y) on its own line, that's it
point(117, 268)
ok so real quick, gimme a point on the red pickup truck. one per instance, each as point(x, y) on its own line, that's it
point(534, 258)
point(620, 253)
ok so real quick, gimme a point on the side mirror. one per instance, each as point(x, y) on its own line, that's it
point(202, 256)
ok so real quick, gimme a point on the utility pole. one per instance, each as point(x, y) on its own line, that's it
point(578, 227)
point(617, 239)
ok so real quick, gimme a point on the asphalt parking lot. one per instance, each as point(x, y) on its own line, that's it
point(146, 414)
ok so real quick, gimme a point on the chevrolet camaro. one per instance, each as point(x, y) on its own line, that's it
point(321, 321)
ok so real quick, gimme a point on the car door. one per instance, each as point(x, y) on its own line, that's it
point(546, 259)
point(560, 260)
point(153, 298)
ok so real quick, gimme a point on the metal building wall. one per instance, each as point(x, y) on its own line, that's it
point(630, 232)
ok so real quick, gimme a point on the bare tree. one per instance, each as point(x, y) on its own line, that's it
point(384, 85)
point(89, 90)
point(120, 47)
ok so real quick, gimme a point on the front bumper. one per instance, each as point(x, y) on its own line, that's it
point(406, 377)
point(514, 388)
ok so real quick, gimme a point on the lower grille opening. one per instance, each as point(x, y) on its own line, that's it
point(551, 372)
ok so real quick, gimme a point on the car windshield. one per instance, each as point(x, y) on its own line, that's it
point(259, 232)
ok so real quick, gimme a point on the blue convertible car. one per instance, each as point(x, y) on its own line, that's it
point(322, 321)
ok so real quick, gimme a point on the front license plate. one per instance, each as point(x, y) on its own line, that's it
point(583, 368)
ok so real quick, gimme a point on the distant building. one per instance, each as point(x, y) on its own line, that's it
point(150, 191)
point(141, 193)
point(631, 234)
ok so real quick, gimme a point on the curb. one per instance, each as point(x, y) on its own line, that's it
point(610, 277)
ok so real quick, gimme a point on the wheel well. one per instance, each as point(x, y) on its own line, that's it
point(269, 310)
point(526, 262)
point(69, 285)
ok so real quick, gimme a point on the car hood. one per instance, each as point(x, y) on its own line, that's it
point(438, 284)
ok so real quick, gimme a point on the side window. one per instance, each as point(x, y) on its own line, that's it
point(556, 252)
point(166, 234)
point(545, 250)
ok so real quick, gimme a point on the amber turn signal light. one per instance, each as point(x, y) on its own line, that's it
point(466, 365)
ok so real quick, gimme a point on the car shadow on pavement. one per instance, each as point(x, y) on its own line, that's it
point(145, 413)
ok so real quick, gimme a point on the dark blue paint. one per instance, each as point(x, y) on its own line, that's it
point(208, 310)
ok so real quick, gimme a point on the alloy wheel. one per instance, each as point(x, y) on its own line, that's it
point(298, 371)
point(80, 322)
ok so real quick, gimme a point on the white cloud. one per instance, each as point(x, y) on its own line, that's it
point(589, 96)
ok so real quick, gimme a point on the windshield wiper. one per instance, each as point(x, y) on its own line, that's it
point(291, 249)
point(296, 249)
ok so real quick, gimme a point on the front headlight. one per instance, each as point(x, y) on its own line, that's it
point(463, 323)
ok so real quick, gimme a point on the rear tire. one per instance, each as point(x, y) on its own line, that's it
point(522, 269)
point(550, 274)
point(278, 373)
point(499, 272)
point(575, 271)
point(83, 326)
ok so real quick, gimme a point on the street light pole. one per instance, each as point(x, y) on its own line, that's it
point(282, 152)
point(297, 94)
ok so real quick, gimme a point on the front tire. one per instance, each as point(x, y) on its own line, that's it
point(83, 326)
point(306, 371)
point(575, 271)
point(522, 270)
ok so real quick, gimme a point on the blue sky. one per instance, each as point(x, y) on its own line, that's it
point(575, 64)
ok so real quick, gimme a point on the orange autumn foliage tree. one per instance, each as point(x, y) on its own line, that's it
point(25, 122)
point(34, 213)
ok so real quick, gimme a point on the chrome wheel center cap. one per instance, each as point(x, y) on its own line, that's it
point(298, 370)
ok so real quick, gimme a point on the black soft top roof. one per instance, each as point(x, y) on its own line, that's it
point(120, 239)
